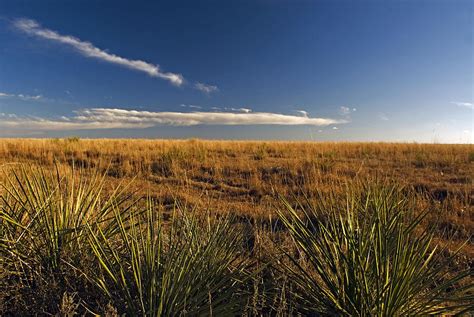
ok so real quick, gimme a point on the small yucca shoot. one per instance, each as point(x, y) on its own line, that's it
point(182, 267)
point(368, 257)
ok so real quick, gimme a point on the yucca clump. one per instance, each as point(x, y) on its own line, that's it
point(367, 256)
point(43, 217)
point(186, 266)
point(44, 221)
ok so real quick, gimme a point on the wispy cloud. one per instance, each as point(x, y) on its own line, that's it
point(303, 113)
point(27, 97)
point(346, 111)
point(244, 110)
point(20, 96)
point(108, 118)
point(463, 104)
point(207, 89)
point(87, 49)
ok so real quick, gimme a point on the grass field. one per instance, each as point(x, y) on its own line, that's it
point(235, 205)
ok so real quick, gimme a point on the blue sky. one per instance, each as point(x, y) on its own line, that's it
point(311, 70)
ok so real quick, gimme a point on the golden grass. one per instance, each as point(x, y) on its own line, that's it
point(245, 176)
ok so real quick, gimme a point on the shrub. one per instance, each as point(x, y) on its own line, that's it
point(365, 257)
point(43, 217)
point(186, 267)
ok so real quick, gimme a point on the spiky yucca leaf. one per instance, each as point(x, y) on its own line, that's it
point(184, 267)
point(366, 258)
point(44, 215)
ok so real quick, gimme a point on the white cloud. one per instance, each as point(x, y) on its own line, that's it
point(21, 96)
point(463, 104)
point(207, 89)
point(107, 118)
point(87, 49)
point(245, 110)
point(383, 116)
point(335, 128)
point(27, 97)
point(191, 106)
point(304, 113)
point(344, 111)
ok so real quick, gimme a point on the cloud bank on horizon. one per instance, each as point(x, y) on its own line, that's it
point(110, 118)
point(87, 49)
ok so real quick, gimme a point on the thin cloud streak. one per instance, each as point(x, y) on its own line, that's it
point(304, 113)
point(207, 89)
point(463, 104)
point(245, 110)
point(87, 49)
point(20, 96)
point(108, 118)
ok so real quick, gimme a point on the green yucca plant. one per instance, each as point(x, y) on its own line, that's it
point(43, 216)
point(185, 266)
point(368, 257)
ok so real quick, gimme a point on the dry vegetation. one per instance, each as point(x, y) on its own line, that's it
point(248, 180)
point(246, 177)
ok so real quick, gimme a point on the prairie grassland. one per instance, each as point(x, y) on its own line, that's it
point(250, 181)
point(245, 177)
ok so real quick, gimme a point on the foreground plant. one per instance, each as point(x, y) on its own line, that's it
point(368, 257)
point(43, 218)
point(186, 266)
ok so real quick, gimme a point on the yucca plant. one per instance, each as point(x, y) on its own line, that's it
point(43, 216)
point(186, 266)
point(368, 256)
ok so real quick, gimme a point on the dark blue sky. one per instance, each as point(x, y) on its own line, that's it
point(362, 70)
